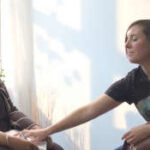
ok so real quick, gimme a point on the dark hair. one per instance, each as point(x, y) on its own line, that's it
point(145, 24)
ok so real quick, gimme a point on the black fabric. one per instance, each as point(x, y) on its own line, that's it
point(4, 117)
point(10, 116)
point(55, 147)
point(132, 88)
point(126, 146)
point(4, 148)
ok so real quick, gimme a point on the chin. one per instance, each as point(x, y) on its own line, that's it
point(133, 61)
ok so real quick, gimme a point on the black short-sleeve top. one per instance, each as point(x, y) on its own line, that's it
point(133, 88)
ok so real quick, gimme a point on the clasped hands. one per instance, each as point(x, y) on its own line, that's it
point(36, 135)
point(23, 142)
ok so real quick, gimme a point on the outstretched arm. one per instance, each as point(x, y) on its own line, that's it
point(88, 112)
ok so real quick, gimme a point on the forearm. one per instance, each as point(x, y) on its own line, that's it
point(76, 118)
point(84, 114)
point(7, 140)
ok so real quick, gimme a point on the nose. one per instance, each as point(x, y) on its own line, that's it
point(127, 44)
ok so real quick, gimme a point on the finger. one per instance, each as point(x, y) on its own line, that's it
point(126, 134)
point(135, 141)
point(130, 141)
point(130, 136)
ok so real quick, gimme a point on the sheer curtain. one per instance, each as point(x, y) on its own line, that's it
point(38, 84)
point(17, 53)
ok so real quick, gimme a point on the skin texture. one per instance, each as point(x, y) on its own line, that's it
point(21, 144)
point(137, 47)
point(137, 134)
point(16, 143)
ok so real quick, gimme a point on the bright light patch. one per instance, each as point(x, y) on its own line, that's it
point(128, 11)
point(47, 7)
point(7, 49)
point(120, 115)
point(63, 83)
point(116, 77)
point(68, 12)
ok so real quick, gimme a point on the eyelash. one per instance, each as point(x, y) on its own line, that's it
point(134, 39)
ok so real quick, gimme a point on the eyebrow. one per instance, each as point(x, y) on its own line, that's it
point(132, 35)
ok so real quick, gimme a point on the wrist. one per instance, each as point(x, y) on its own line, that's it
point(48, 131)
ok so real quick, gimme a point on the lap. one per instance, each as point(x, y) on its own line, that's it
point(4, 148)
point(143, 145)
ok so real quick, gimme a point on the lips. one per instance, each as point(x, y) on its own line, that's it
point(130, 54)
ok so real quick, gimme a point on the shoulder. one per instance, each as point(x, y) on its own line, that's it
point(121, 90)
point(134, 73)
point(128, 79)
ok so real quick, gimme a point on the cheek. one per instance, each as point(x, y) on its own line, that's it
point(141, 48)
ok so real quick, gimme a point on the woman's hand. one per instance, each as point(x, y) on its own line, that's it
point(36, 135)
point(20, 144)
point(137, 134)
point(49, 140)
